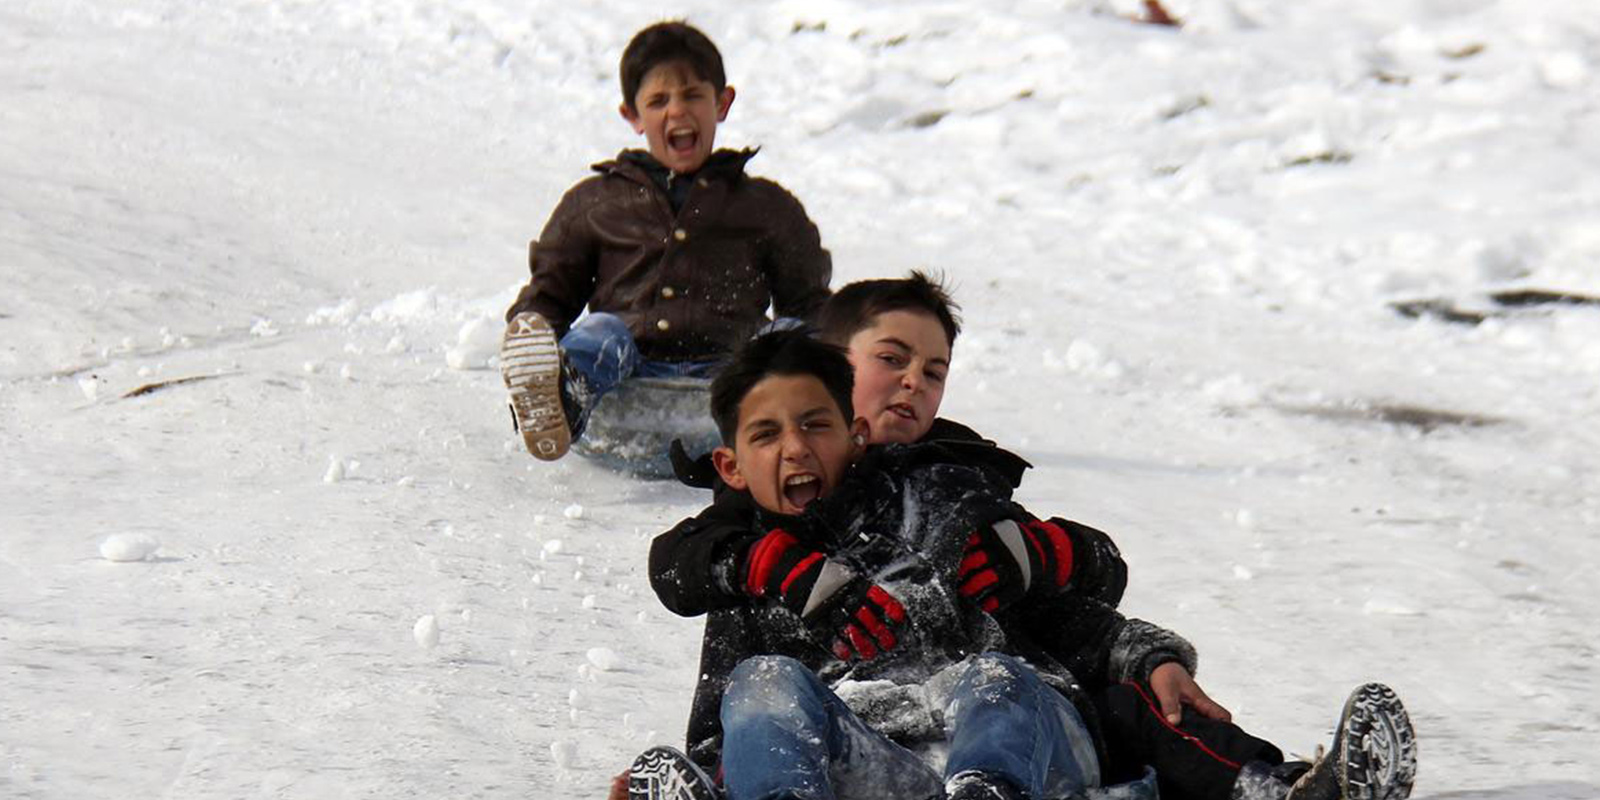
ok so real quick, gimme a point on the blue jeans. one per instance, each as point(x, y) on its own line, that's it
point(601, 350)
point(787, 735)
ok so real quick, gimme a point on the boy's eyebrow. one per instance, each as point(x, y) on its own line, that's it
point(900, 343)
point(759, 422)
point(762, 423)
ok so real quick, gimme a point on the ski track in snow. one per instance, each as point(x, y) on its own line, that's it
point(295, 223)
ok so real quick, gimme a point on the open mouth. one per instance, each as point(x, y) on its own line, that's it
point(682, 141)
point(800, 490)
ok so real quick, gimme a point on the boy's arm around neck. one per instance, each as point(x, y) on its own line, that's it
point(693, 566)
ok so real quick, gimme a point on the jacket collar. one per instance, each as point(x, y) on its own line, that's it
point(638, 165)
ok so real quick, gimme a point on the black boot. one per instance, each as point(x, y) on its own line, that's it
point(1374, 757)
point(1375, 748)
point(1260, 781)
point(664, 773)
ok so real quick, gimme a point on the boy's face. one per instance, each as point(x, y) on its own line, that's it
point(678, 113)
point(901, 361)
point(792, 446)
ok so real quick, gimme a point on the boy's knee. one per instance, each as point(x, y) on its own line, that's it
point(769, 679)
point(763, 672)
point(768, 686)
point(995, 667)
point(993, 677)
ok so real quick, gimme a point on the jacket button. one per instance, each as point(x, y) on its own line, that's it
point(680, 234)
point(662, 325)
point(667, 292)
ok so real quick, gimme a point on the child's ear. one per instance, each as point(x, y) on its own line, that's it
point(724, 102)
point(727, 464)
point(860, 437)
point(632, 117)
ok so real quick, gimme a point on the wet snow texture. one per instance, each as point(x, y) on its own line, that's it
point(1177, 252)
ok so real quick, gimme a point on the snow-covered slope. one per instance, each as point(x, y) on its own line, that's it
point(1177, 251)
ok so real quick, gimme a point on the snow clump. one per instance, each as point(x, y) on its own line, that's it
point(564, 753)
point(604, 659)
point(125, 547)
point(477, 343)
point(426, 631)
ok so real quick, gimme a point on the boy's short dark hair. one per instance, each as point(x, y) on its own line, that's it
point(666, 42)
point(786, 352)
point(855, 306)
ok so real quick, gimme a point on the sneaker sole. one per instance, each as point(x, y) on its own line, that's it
point(530, 362)
point(1379, 746)
point(664, 773)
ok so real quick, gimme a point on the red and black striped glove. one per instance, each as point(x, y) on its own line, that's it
point(1004, 561)
point(827, 595)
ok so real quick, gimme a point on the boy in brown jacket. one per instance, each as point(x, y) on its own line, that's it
point(674, 250)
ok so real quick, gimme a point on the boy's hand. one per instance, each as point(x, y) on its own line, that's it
point(870, 631)
point(779, 567)
point(1174, 688)
point(817, 589)
point(1003, 561)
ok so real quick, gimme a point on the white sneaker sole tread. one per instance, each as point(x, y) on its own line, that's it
point(530, 362)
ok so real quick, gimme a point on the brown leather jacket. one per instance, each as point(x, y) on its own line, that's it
point(690, 285)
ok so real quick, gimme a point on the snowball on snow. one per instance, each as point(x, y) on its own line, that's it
point(124, 547)
point(604, 659)
point(477, 342)
point(426, 631)
point(1564, 70)
point(574, 511)
point(553, 547)
point(564, 753)
point(335, 471)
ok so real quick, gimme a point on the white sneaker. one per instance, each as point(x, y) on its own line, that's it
point(530, 362)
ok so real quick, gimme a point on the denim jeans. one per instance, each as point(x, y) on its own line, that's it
point(601, 351)
point(787, 735)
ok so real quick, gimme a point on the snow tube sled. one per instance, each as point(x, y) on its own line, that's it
point(631, 428)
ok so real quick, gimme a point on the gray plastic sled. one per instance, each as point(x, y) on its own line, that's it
point(631, 428)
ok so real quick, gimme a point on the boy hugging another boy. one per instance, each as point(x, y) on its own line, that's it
point(850, 588)
point(675, 252)
point(893, 596)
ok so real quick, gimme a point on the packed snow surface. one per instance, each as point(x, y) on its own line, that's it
point(239, 238)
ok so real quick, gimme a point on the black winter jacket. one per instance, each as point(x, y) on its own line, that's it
point(915, 506)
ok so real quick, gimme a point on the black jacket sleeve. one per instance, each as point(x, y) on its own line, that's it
point(693, 566)
point(1098, 571)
